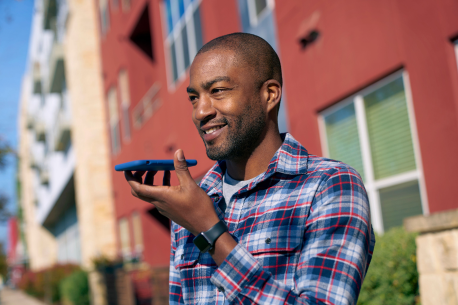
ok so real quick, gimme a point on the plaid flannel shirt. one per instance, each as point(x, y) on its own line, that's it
point(303, 230)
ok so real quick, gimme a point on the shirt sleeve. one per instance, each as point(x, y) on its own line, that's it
point(175, 293)
point(337, 248)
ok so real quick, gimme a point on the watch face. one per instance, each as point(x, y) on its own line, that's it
point(201, 243)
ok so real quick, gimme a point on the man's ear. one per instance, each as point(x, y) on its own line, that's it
point(274, 92)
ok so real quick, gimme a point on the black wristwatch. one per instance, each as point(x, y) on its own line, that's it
point(206, 240)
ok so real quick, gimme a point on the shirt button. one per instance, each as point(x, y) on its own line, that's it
point(220, 289)
point(182, 256)
point(268, 240)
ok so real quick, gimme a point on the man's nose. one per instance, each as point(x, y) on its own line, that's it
point(204, 110)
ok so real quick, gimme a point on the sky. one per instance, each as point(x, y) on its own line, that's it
point(15, 25)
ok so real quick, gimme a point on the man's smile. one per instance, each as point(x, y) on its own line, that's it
point(212, 132)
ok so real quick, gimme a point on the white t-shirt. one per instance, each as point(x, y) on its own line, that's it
point(230, 187)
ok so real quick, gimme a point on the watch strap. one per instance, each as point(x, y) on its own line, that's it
point(216, 231)
point(206, 240)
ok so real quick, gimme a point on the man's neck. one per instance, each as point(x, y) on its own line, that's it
point(258, 161)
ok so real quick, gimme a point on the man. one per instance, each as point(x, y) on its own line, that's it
point(270, 223)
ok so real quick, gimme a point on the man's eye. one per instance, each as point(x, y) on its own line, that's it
point(192, 98)
point(217, 90)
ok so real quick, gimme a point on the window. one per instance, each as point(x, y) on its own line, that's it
point(123, 82)
point(146, 107)
point(114, 120)
point(138, 235)
point(124, 238)
point(104, 16)
point(258, 9)
point(373, 132)
point(125, 5)
point(184, 34)
point(115, 4)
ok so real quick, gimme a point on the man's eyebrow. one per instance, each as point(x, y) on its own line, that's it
point(191, 90)
point(208, 84)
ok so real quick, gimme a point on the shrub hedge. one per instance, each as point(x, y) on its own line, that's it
point(392, 277)
point(44, 284)
point(75, 288)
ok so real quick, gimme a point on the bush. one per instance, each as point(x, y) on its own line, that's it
point(75, 288)
point(44, 284)
point(392, 277)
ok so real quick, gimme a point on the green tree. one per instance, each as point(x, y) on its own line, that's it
point(5, 152)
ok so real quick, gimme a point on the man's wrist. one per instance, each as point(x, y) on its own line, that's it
point(223, 246)
point(206, 240)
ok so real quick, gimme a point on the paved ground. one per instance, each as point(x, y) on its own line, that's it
point(16, 297)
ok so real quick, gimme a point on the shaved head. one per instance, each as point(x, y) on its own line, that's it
point(252, 51)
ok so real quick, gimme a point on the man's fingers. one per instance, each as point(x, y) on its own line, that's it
point(166, 179)
point(181, 168)
point(138, 176)
point(149, 178)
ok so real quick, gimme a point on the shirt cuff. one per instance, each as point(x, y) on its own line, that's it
point(235, 272)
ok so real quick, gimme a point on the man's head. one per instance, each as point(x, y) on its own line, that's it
point(235, 88)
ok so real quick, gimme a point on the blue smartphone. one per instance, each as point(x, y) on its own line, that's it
point(150, 165)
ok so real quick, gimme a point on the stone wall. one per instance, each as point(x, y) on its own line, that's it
point(437, 256)
point(93, 185)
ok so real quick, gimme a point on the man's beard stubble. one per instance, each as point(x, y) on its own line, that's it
point(244, 135)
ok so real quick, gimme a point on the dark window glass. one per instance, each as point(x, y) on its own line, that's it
point(173, 56)
point(198, 29)
point(184, 37)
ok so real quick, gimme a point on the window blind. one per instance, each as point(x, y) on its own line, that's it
point(343, 139)
point(398, 202)
point(389, 130)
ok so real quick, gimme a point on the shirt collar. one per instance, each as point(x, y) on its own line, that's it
point(290, 159)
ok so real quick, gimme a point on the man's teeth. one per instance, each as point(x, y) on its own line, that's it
point(213, 129)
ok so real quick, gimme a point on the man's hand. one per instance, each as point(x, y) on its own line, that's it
point(186, 204)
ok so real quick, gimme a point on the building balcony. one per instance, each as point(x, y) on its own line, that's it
point(36, 74)
point(40, 131)
point(56, 68)
point(50, 13)
point(63, 131)
point(44, 176)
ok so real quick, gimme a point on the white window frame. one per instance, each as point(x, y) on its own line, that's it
point(254, 18)
point(373, 186)
point(104, 9)
point(187, 20)
point(147, 106)
point(113, 116)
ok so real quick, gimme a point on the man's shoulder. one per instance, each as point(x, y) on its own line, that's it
point(325, 166)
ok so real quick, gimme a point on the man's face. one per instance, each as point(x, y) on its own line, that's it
point(227, 107)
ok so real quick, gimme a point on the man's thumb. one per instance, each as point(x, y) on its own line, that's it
point(181, 167)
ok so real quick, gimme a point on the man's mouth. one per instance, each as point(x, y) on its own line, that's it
point(212, 133)
point(211, 130)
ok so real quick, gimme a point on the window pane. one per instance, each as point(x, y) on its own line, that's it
point(184, 37)
point(389, 130)
point(181, 7)
point(343, 139)
point(113, 105)
point(124, 237)
point(126, 122)
point(169, 16)
point(174, 62)
point(399, 202)
point(138, 236)
point(260, 6)
point(115, 139)
point(198, 29)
